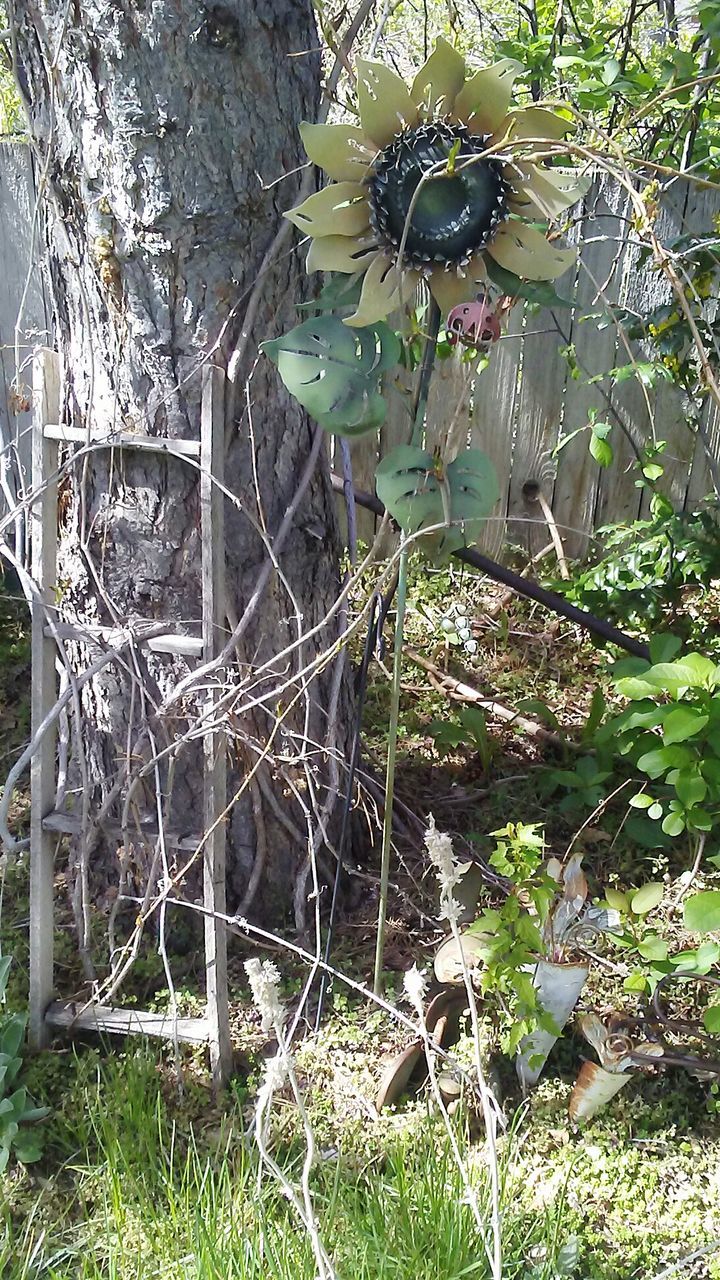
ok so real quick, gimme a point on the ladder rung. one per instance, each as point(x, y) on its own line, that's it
point(123, 440)
point(70, 824)
point(125, 1022)
point(181, 646)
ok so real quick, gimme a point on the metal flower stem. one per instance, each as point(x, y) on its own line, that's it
point(426, 370)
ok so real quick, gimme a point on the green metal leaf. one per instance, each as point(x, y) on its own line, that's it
point(418, 491)
point(334, 371)
point(540, 291)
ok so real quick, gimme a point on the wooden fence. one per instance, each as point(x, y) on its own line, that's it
point(23, 302)
point(518, 409)
point(526, 401)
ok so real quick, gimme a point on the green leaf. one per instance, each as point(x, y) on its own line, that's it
point(664, 647)
point(641, 801)
point(682, 723)
point(409, 484)
point(611, 71)
point(540, 291)
point(657, 762)
point(701, 913)
point(636, 981)
point(334, 371)
point(647, 898)
point(673, 824)
point(536, 707)
point(617, 900)
point(635, 688)
point(5, 963)
point(708, 954)
point(601, 450)
point(598, 706)
point(711, 1019)
point(340, 291)
point(653, 948)
point(691, 787)
point(12, 1034)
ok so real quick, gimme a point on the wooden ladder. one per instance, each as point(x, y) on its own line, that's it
point(45, 823)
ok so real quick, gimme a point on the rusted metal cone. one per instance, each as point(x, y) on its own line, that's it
point(559, 987)
point(594, 1088)
point(406, 1071)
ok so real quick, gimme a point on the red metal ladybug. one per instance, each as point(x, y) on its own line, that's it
point(473, 323)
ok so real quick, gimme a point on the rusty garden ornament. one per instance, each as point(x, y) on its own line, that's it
point(439, 181)
point(559, 984)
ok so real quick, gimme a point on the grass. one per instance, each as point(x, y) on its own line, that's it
point(137, 1186)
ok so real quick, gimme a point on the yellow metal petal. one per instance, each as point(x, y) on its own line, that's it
point(340, 209)
point(384, 101)
point(346, 254)
point(438, 82)
point(381, 291)
point(450, 289)
point(547, 192)
point(533, 122)
point(527, 252)
point(340, 149)
point(483, 102)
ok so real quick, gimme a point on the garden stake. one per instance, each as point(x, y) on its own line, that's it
point(419, 419)
point(370, 639)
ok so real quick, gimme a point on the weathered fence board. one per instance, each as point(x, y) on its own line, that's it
point(22, 301)
point(527, 401)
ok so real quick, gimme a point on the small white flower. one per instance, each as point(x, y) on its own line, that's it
point(447, 625)
point(461, 622)
point(264, 979)
point(471, 646)
point(464, 633)
point(275, 1073)
point(415, 984)
point(449, 872)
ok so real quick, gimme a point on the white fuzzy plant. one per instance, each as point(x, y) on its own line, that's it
point(264, 979)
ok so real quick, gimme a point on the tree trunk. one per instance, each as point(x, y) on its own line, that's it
point(159, 126)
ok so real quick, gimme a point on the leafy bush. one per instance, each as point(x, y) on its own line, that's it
point(670, 732)
point(648, 565)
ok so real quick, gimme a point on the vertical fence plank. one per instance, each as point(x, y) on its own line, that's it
point(578, 476)
point(540, 402)
point(214, 745)
point(17, 201)
point(496, 391)
point(43, 523)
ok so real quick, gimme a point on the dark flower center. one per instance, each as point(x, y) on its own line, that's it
point(457, 209)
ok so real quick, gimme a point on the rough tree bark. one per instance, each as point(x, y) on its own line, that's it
point(159, 124)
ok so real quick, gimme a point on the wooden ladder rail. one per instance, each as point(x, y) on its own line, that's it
point(46, 1014)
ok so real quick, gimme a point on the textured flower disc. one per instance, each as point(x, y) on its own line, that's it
point(454, 213)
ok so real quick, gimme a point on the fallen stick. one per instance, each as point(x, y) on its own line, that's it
point(458, 691)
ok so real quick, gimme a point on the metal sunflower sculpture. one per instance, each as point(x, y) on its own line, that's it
point(440, 182)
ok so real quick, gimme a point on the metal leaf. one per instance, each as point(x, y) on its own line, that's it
point(419, 491)
point(335, 371)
